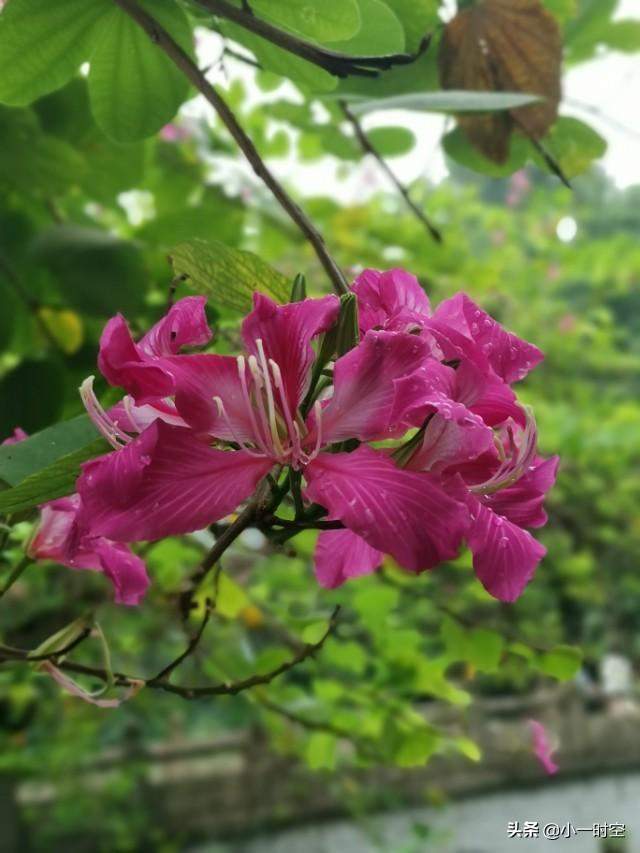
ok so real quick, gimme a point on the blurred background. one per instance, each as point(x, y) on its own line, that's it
point(410, 730)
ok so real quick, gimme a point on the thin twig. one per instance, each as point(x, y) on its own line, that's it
point(11, 653)
point(183, 61)
point(191, 647)
point(228, 688)
point(338, 64)
point(24, 563)
point(368, 148)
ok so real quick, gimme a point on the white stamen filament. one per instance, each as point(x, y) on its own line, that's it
point(514, 465)
point(271, 405)
point(260, 402)
point(101, 420)
point(246, 396)
point(222, 412)
point(127, 402)
point(294, 435)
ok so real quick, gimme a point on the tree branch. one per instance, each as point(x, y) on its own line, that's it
point(369, 148)
point(338, 64)
point(228, 688)
point(183, 61)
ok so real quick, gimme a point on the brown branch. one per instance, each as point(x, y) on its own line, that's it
point(368, 148)
point(10, 653)
point(338, 64)
point(183, 61)
point(190, 649)
point(227, 688)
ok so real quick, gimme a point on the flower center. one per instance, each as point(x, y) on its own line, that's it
point(278, 431)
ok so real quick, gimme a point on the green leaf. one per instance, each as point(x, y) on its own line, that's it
point(562, 662)
point(32, 158)
point(448, 101)
point(227, 276)
point(485, 649)
point(321, 20)
point(43, 43)
point(468, 748)
point(391, 141)
point(562, 10)
point(32, 396)
point(418, 17)
point(416, 747)
point(574, 145)
point(54, 481)
point(109, 167)
point(457, 146)
point(375, 603)
point(39, 451)
point(623, 35)
point(314, 631)
point(380, 33)
point(134, 87)
point(454, 638)
point(96, 272)
point(231, 597)
point(306, 75)
point(213, 214)
point(320, 752)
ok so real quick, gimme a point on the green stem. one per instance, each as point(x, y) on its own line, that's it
point(15, 574)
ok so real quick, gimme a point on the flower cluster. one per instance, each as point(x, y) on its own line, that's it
point(417, 443)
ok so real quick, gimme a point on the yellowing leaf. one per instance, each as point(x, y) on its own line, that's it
point(65, 327)
point(504, 46)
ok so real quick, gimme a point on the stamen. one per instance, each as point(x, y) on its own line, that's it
point(101, 420)
point(258, 379)
point(271, 406)
point(246, 396)
point(294, 435)
point(222, 412)
point(127, 402)
point(515, 465)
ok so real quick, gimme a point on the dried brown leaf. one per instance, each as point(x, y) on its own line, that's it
point(504, 46)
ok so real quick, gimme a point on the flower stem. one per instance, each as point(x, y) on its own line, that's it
point(15, 574)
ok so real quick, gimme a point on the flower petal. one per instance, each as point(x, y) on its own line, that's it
point(487, 395)
point(139, 368)
point(505, 556)
point(511, 357)
point(403, 513)
point(522, 502)
point(341, 555)
point(369, 401)
point(122, 365)
point(184, 324)
point(286, 332)
point(454, 436)
point(392, 300)
point(542, 747)
point(164, 483)
point(58, 538)
point(126, 571)
point(200, 378)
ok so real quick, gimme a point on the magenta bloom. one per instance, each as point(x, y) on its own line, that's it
point(212, 426)
point(542, 748)
point(57, 538)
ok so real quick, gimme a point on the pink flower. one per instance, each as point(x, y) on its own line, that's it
point(212, 426)
point(57, 538)
point(542, 747)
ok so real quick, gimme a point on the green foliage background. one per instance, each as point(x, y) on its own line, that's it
point(72, 253)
